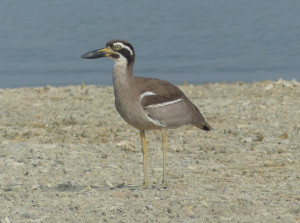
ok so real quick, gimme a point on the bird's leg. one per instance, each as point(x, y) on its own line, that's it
point(164, 150)
point(145, 155)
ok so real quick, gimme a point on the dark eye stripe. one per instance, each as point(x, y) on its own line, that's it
point(128, 47)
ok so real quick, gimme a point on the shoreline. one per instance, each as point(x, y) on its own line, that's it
point(280, 80)
point(67, 156)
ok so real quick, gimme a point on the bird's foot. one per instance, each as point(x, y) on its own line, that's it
point(164, 184)
point(145, 185)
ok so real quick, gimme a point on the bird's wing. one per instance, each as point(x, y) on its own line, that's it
point(167, 104)
point(155, 91)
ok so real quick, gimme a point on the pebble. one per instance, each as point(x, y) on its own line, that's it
point(109, 184)
point(68, 186)
point(120, 185)
point(104, 156)
point(5, 220)
point(189, 211)
point(284, 136)
point(269, 163)
point(127, 146)
point(259, 137)
point(149, 207)
point(247, 139)
point(287, 217)
point(163, 220)
point(269, 86)
point(29, 215)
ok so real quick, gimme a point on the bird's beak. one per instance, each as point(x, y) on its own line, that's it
point(105, 52)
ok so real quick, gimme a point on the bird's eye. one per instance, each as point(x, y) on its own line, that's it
point(117, 47)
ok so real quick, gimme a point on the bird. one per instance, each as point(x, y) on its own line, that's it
point(147, 103)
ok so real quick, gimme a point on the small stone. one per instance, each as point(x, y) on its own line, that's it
point(7, 189)
point(127, 146)
point(5, 220)
point(269, 163)
point(248, 139)
point(234, 132)
point(66, 186)
point(259, 137)
point(120, 185)
point(253, 148)
point(149, 207)
point(189, 211)
point(29, 215)
point(284, 83)
point(288, 217)
point(178, 149)
point(47, 88)
point(109, 184)
point(241, 126)
point(163, 220)
point(35, 187)
point(104, 156)
point(269, 86)
point(193, 167)
point(286, 154)
point(227, 218)
point(284, 136)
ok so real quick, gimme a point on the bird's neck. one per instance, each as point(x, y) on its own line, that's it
point(122, 71)
point(122, 81)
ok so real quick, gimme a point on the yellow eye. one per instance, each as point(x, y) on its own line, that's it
point(117, 47)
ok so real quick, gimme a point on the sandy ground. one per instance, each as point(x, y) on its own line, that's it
point(67, 156)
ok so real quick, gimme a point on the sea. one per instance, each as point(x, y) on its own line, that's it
point(193, 41)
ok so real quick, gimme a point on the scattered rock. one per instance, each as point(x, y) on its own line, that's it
point(5, 220)
point(269, 163)
point(104, 156)
point(259, 137)
point(68, 186)
point(269, 86)
point(247, 139)
point(109, 184)
point(149, 207)
point(120, 185)
point(283, 136)
point(29, 215)
point(189, 211)
point(127, 146)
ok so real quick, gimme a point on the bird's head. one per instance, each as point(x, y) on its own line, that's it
point(119, 51)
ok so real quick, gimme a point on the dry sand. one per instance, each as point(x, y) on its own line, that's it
point(67, 156)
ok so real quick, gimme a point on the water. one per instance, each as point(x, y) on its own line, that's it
point(195, 41)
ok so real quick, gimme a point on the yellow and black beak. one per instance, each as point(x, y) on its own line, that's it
point(105, 52)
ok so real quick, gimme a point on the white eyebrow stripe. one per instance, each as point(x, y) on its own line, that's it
point(147, 93)
point(124, 46)
point(165, 103)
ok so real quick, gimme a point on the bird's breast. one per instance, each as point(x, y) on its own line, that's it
point(128, 105)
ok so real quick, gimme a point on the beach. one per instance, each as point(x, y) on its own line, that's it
point(66, 155)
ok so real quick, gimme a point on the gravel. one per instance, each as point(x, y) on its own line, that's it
point(67, 156)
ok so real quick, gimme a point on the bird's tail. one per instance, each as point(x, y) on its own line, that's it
point(202, 125)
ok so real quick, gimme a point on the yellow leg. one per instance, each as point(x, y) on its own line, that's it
point(164, 150)
point(145, 155)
